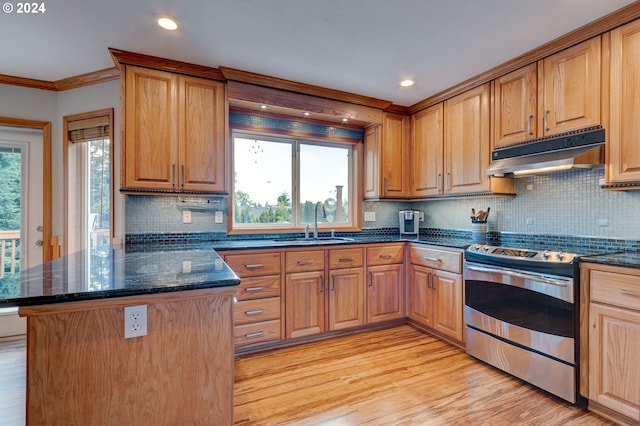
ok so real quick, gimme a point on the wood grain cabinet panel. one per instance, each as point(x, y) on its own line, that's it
point(346, 298)
point(305, 304)
point(623, 163)
point(258, 313)
point(386, 149)
point(174, 138)
point(151, 129)
point(610, 340)
point(385, 292)
point(427, 152)
point(466, 141)
point(515, 106)
point(435, 290)
point(569, 88)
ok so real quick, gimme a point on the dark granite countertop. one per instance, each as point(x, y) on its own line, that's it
point(623, 259)
point(227, 245)
point(154, 268)
point(106, 272)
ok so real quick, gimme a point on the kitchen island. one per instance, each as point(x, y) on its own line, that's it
point(80, 367)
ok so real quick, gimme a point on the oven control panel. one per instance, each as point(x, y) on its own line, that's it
point(524, 254)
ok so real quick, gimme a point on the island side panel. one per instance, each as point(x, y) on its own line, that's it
point(81, 370)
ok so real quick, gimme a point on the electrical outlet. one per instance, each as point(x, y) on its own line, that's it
point(135, 321)
point(529, 221)
point(186, 216)
point(219, 217)
point(369, 216)
point(186, 266)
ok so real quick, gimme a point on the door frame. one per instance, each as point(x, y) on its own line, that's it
point(45, 126)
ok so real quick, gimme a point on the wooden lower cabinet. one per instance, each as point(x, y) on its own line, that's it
point(305, 303)
point(257, 313)
point(82, 371)
point(346, 298)
point(435, 300)
point(613, 331)
point(385, 293)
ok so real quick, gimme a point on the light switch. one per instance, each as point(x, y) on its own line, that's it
point(369, 216)
point(186, 216)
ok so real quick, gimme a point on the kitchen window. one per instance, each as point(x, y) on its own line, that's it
point(278, 181)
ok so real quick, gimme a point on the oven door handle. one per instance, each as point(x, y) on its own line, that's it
point(525, 275)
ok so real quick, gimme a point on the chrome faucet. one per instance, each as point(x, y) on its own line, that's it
point(315, 218)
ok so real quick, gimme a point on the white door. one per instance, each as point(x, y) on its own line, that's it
point(25, 146)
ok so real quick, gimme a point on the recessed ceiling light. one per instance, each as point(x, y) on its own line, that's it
point(306, 114)
point(407, 83)
point(263, 107)
point(168, 23)
point(344, 120)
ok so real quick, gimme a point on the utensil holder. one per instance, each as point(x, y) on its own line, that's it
point(479, 232)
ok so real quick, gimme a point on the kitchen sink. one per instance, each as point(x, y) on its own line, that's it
point(312, 241)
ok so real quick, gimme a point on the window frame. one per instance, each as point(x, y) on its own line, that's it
point(355, 193)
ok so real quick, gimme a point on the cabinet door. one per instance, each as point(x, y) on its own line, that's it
point(394, 150)
point(515, 103)
point(614, 359)
point(569, 84)
point(150, 157)
point(420, 302)
point(305, 304)
point(372, 162)
point(427, 151)
point(624, 116)
point(466, 141)
point(385, 293)
point(346, 298)
point(202, 134)
point(447, 303)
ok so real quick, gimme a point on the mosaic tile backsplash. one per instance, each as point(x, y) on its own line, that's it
point(549, 208)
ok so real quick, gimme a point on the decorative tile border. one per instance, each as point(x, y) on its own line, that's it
point(580, 245)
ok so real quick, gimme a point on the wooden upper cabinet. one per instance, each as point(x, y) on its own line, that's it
point(623, 157)
point(515, 106)
point(427, 152)
point(174, 137)
point(385, 158)
point(151, 129)
point(202, 130)
point(569, 89)
point(371, 154)
point(395, 142)
point(466, 141)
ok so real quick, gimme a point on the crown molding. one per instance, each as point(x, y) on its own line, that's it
point(81, 80)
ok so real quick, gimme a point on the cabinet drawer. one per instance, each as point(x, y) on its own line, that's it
point(250, 334)
point(258, 287)
point(437, 259)
point(384, 255)
point(252, 265)
point(256, 310)
point(345, 258)
point(299, 261)
point(615, 289)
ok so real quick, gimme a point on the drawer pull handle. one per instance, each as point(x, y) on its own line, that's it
point(629, 293)
point(305, 262)
point(346, 259)
point(386, 256)
point(254, 265)
point(256, 312)
point(431, 259)
point(258, 334)
point(260, 288)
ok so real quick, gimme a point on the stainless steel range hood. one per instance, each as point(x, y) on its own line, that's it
point(579, 149)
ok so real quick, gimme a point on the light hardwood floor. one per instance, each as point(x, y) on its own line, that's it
point(397, 376)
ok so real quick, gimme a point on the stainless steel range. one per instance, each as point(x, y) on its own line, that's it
point(521, 309)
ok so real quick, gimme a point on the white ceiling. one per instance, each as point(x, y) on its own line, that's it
point(359, 46)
